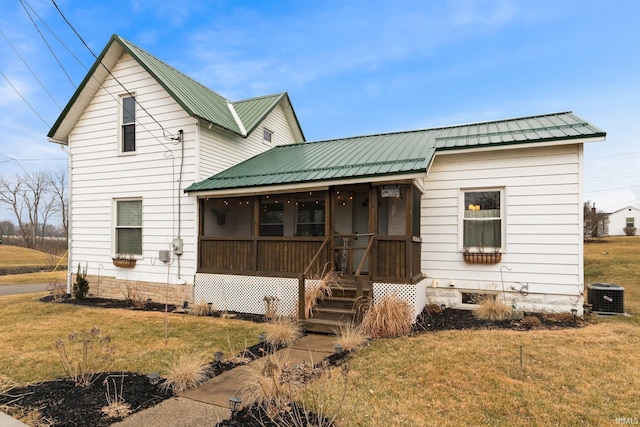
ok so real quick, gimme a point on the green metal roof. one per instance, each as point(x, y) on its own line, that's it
point(389, 154)
point(196, 99)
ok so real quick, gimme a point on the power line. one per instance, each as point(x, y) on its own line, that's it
point(29, 68)
point(56, 36)
point(25, 99)
point(48, 46)
point(164, 132)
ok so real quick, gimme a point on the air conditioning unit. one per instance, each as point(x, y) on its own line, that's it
point(606, 298)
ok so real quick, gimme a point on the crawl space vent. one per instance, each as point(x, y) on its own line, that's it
point(606, 298)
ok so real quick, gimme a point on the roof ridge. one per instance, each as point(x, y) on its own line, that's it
point(130, 44)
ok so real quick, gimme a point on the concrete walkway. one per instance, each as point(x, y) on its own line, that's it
point(208, 403)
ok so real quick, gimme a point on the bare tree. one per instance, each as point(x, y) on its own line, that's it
point(58, 181)
point(11, 191)
point(34, 194)
point(596, 221)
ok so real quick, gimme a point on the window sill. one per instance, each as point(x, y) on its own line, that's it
point(482, 257)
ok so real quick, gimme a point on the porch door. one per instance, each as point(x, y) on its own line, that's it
point(360, 226)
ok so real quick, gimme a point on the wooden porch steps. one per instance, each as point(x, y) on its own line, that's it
point(342, 307)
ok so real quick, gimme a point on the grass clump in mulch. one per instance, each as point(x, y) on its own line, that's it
point(389, 317)
point(187, 370)
point(490, 308)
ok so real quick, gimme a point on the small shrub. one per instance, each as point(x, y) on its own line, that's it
point(201, 308)
point(133, 296)
point(116, 406)
point(350, 336)
point(389, 317)
point(81, 284)
point(283, 331)
point(187, 370)
point(58, 289)
point(85, 354)
point(271, 306)
point(630, 231)
point(492, 309)
point(280, 391)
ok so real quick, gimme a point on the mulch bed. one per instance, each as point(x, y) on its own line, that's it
point(61, 403)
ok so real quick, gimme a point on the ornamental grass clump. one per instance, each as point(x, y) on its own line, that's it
point(201, 308)
point(491, 308)
point(350, 336)
point(187, 370)
point(327, 282)
point(389, 317)
point(282, 331)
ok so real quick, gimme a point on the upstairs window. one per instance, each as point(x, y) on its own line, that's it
point(128, 126)
point(128, 229)
point(483, 218)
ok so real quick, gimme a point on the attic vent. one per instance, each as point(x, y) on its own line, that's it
point(606, 298)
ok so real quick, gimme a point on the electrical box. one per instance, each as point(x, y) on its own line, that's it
point(164, 256)
point(177, 246)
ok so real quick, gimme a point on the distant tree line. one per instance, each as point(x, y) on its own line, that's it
point(39, 204)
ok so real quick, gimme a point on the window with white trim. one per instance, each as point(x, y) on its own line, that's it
point(128, 125)
point(631, 222)
point(483, 219)
point(128, 227)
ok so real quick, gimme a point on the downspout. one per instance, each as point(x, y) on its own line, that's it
point(69, 210)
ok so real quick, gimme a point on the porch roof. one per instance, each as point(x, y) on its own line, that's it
point(392, 153)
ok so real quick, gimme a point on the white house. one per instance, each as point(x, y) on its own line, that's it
point(179, 193)
point(628, 217)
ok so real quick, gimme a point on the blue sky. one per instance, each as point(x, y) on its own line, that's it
point(350, 67)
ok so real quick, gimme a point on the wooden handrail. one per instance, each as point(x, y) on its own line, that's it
point(364, 257)
point(315, 257)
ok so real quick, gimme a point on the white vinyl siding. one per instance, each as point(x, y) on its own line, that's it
point(542, 214)
point(101, 176)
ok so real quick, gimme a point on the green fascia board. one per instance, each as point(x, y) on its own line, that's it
point(390, 154)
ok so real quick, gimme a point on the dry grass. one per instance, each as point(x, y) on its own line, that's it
point(201, 308)
point(350, 336)
point(490, 308)
point(13, 256)
point(389, 317)
point(116, 406)
point(572, 377)
point(187, 370)
point(327, 282)
point(29, 278)
point(283, 331)
point(28, 341)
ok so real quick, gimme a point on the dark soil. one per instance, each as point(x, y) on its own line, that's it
point(61, 403)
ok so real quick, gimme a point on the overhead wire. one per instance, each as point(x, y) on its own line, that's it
point(47, 43)
point(164, 131)
point(56, 36)
point(30, 69)
point(25, 99)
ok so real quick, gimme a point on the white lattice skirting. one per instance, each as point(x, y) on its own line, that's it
point(246, 294)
